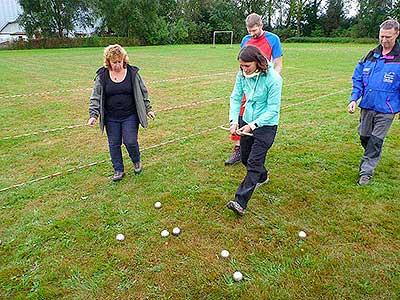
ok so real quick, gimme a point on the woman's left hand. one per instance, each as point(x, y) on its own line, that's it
point(151, 115)
point(245, 128)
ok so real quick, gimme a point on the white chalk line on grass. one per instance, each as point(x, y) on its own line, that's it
point(202, 132)
point(313, 99)
point(196, 103)
point(89, 89)
point(40, 132)
point(151, 82)
point(165, 109)
point(154, 146)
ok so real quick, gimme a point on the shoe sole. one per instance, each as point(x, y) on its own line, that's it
point(231, 206)
point(364, 181)
point(231, 163)
point(258, 185)
point(118, 179)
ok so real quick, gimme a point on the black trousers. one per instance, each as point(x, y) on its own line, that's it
point(253, 151)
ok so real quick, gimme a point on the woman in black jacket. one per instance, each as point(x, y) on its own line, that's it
point(120, 99)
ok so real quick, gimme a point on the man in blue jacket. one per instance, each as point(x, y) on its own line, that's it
point(376, 80)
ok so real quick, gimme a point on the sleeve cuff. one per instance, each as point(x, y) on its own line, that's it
point(253, 125)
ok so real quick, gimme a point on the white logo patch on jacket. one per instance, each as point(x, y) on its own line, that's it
point(388, 77)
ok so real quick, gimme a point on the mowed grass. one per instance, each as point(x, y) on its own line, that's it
point(58, 234)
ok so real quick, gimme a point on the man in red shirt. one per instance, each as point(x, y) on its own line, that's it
point(270, 46)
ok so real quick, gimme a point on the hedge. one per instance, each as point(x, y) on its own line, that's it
point(71, 43)
point(331, 40)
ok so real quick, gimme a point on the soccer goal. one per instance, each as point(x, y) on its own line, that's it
point(222, 31)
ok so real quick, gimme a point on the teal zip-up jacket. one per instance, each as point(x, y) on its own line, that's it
point(263, 99)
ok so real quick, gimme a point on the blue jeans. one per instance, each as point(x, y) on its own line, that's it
point(123, 130)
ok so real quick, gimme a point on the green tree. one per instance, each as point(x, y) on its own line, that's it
point(270, 9)
point(134, 18)
point(311, 18)
point(372, 13)
point(224, 15)
point(334, 17)
point(54, 17)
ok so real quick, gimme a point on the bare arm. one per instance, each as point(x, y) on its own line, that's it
point(278, 64)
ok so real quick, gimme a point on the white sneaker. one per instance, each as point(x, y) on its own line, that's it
point(261, 183)
point(137, 167)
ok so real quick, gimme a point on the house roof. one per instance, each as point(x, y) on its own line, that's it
point(2, 25)
point(9, 11)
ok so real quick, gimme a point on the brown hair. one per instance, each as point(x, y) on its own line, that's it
point(251, 54)
point(253, 19)
point(113, 53)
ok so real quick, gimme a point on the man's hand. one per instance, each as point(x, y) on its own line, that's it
point(351, 108)
point(151, 115)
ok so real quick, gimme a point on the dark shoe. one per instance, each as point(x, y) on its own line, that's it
point(137, 167)
point(118, 176)
point(261, 183)
point(235, 158)
point(364, 180)
point(233, 205)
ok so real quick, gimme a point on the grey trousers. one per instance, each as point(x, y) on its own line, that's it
point(372, 129)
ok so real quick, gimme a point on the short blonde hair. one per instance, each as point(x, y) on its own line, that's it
point(113, 53)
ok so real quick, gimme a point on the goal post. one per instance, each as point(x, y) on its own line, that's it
point(222, 31)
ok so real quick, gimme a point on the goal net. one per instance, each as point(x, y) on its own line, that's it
point(224, 32)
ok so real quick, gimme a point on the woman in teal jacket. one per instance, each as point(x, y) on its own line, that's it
point(263, 87)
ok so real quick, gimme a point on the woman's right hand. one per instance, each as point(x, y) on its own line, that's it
point(233, 128)
point(91, 121)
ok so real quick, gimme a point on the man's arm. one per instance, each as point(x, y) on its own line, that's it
point(278, 64)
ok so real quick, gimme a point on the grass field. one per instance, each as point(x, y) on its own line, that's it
point(58, 233)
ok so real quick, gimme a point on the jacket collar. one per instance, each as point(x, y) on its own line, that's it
point(394, 52)
point(132, 69)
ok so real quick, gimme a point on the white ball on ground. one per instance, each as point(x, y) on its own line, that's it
point(302, 234)
point(164, 233)
point(157, 204)
point(237, 276)
point(224, 253)
point(176, 231)
point(120, 237)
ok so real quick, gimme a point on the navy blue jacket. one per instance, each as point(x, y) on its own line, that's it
point(377, 80)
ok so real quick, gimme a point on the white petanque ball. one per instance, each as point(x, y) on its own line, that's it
point(164, 233)
point(224, 253)
point(302, 234)
point(157, 204)
point(176, 231)
point(237, 276)
point(120, 237)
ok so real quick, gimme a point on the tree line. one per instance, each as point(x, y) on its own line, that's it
point(155, 22)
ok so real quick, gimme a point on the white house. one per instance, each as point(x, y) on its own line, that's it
point(11, 30)
point(9, 27)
